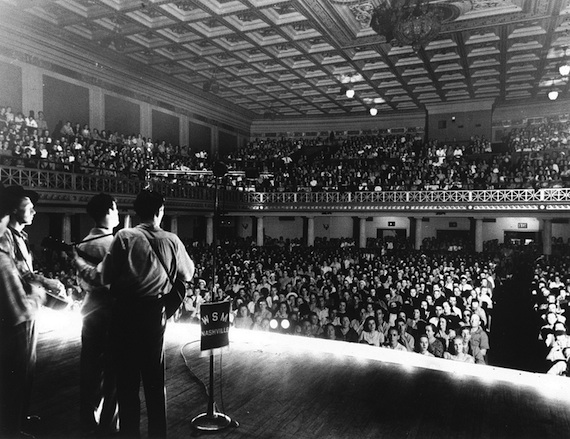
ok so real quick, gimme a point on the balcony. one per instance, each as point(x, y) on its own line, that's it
point(66, 189)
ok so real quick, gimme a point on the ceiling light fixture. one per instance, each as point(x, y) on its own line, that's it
point(553, 95)
point(350, 93)
point(212, 84)
point(373, 111)
point(414, 22)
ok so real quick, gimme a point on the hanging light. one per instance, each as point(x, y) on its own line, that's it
point(553, 95)
point(373, 111)
point(415, 22)
point(350, 93)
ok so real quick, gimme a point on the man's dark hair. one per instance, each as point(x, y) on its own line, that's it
point(99, 205)
point(148, 203)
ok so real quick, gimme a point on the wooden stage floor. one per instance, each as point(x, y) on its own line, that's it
point(296, 388)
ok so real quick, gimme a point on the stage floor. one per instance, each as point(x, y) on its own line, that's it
point(288, 387)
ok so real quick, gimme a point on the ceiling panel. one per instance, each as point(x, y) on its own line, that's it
point(293, 57)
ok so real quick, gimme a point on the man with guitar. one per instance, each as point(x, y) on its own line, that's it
point(143, 266)
point(97, 383)
point(22, 291)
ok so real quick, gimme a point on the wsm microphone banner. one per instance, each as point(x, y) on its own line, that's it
point(215, 326)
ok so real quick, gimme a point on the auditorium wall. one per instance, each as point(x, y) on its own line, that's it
point(103, 98)
point(430, 226)
point(373, 224)
point(333, 227)
point(165, 127)
point(10, 85)
point(64, 101)
point(288, 227)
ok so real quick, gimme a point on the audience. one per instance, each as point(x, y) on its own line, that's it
point(437, 301)
point(534, 157)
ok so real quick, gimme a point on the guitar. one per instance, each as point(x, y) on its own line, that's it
point(53, 295)
point(174, 298)
point(52, 243)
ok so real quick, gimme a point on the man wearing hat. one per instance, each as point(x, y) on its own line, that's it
point(19, 302)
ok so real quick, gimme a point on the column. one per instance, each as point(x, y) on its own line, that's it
point(209, 229)
point(362, 232)
point(66, 227)
point(146, 120)
point(215, 139)
point(174, 224)
point(97, 107)
point(478, 235)
point(184, 132)
point(310, 231)
point(259, 236)
point(547, 236)
point(419, 237)
point(32, 90)
point(127, 222)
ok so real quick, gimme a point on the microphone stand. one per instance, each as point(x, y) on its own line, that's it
point(213, 420)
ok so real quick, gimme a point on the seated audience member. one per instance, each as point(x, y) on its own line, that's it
point(477, 309)
point(444, 333)
point(306, 329)
point(383, 325)
point(282, 312)
point(316, 328)
point(405, 338)
point(479, 342)
point(329, 332)
point(416, 325)
point(263, 310)
point(41, 121)
point(67, 129)
point(257, 322)
point(459, 349)
point(243, 318)
point(345, 332)
point(424, 346)
point(559, 351)
point(435, 345)
point(393, 341)
point(370, 335)
point(547, 330)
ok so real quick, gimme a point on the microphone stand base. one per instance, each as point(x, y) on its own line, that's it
point(212, 422)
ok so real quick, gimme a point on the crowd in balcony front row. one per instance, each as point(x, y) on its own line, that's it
point(535, 158)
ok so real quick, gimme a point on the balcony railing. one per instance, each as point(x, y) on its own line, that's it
point(67, 187)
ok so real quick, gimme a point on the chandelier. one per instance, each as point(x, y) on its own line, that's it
point(414, 22)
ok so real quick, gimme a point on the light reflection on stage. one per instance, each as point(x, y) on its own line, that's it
point(62, 326)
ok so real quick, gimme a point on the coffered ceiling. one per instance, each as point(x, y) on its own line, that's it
point(284, 58)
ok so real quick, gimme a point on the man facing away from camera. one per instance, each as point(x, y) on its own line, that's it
point(97, 383)
point(136, 269)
